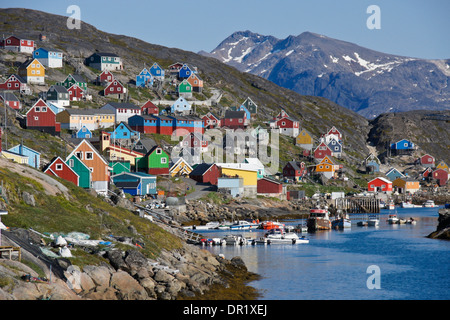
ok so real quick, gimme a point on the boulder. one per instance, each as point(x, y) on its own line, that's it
point(127, 287)
point(99, 275)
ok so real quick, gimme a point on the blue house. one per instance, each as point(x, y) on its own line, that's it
point(156, 71)
point(402, 147)
point(335, 147)
point(180, 106)
point(34, 157)
point(135, 183)
point(185, 71)
point(56, 108)
point(83, 133)
point(123, 131)
point(143, 123)
point(144, 79)
point(49, 57)
point(393, 174)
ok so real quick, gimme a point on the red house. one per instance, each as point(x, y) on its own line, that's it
point(75, 93)
point(427, 161)
point(15, 83)
point(336, 132)
point(105, 77)
point(379, 184)
point(211, 121)
point(149, 108)
point(206, 173)
point(10, 100)
point(294, 170)
point(321, 151)
point(15, 44)
point(234, 119)
point(59, 168)
point(41, 117)
point(194, 140)
point(269, 186)
point(441, 176)
point(115, 88)
point(427, 173)
point(288, 126)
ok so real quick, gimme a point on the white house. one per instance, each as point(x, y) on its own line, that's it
point(122, 111)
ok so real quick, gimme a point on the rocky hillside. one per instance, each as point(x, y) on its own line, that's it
point(365, 81)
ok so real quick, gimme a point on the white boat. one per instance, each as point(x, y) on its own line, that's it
point(235, 240)
point(243, 225)
point(391, 205)
point(225, 225)
point(373, 221)
point(318, 219)
point(411, 221)
point(392, 219)
point(408, 204)
point(208, 226)
point(341, 222)
point(429, 204)
point(278, 236)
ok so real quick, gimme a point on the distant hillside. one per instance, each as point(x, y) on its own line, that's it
point(363, 80)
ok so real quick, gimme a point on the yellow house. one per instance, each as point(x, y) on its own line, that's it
point(116, 153)
point(442, 165)
point(32, 71)
point(181, 168)
point(404, 185)
point(92, 119)
point(14, 157)
point(250, 177)
point(304, 140)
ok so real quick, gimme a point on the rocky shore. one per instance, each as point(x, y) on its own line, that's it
point(443, 228)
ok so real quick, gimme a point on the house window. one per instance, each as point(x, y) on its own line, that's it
point(59, 166)
point(71, 163)
point(79, 155)
point(89, 155)
point(406, 144)
point(163, 160)
point(44, 109)
point(158, 151)
point(36, 118)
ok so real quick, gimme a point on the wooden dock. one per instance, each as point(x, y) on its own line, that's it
point(358, 205)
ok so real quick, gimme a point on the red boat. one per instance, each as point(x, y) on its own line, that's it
point(268, 225)
point(318, 220)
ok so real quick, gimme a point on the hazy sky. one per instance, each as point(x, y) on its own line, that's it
point(408, 27)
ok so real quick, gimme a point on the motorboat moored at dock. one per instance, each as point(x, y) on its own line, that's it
point(318, 219)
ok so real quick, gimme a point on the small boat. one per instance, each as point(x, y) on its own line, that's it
point(392, 219)
point(268, 225)
point(235, 240)
point(373, 221)
point(225, 225)
point(318, 219)
point(362, 223)
point(401, 221)
point(341, 222)
point(409, 204)
point(301, 228)
point(429, 204)
point(208, 226)
point(411, 221)
point(243, 225)
point(279, 236)
point(213, 242)
point(391, 205)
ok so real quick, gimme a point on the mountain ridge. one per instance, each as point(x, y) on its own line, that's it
point(363, 80)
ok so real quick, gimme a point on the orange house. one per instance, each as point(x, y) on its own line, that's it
point(99, 167)
point(404, 185)
point(327, 167)
point(196, 82)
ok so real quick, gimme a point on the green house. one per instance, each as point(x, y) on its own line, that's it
point(185, 89)
point(155, 162)
point(120, 166)
point(74, 79)
point(84, 173)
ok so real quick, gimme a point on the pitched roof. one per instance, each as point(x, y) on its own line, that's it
point(229, 114)
point(201, 168)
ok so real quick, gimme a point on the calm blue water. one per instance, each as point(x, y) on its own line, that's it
point(334, 263)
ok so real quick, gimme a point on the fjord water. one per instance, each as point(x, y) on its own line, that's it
point(334, 265)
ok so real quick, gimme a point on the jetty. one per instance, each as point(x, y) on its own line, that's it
point(358, 204)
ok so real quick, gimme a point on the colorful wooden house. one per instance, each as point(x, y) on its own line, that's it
point(83, 133)
point(372, 163)
point(205, 173)
point(427, 173)
point(185, 89)
point(234, 119)
point(73, 79)
point(17, 158)
point(294, 170)
point(104, 61)
point(156, 162)
point(105, 77)
point(393, 174)
point(164, 125)
point(250, 106)
point(14, 43)
point(98, 166)
point(287, 126)
point(441, 176)
point(41, 117)
point(405, 185)
point(185, 71)
point(122, 110)
point(124, 132)
point(50, 58)
point(249, 176)
point(282, 114)
point(144, 123)
point(135, 183)
point(335, 147)
point(144, 79)
point(321, 151)
point(15, 83)
point(174, 69)
point(83, 171)
point(144, 145)
point(10, 100)
point(247, 112)
point(93, 119)
point(328, 168)
point(210, 121)
point(156, 71)
point(304, 140)
point(180, 167)
point(335, 132)
point(34, 157)
point(269, 187)
point(181, 106)
point(76, 93)
point(402, 147)
point(58, 95)
point(32, 71)
point(118, 153)
point(58, 168)
point(442, 165)
point(379, 184)
point(196, 82)
point(115, 89)
point(149, 108)
point(120, 166)
point(427, 161)
point(187, 124)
